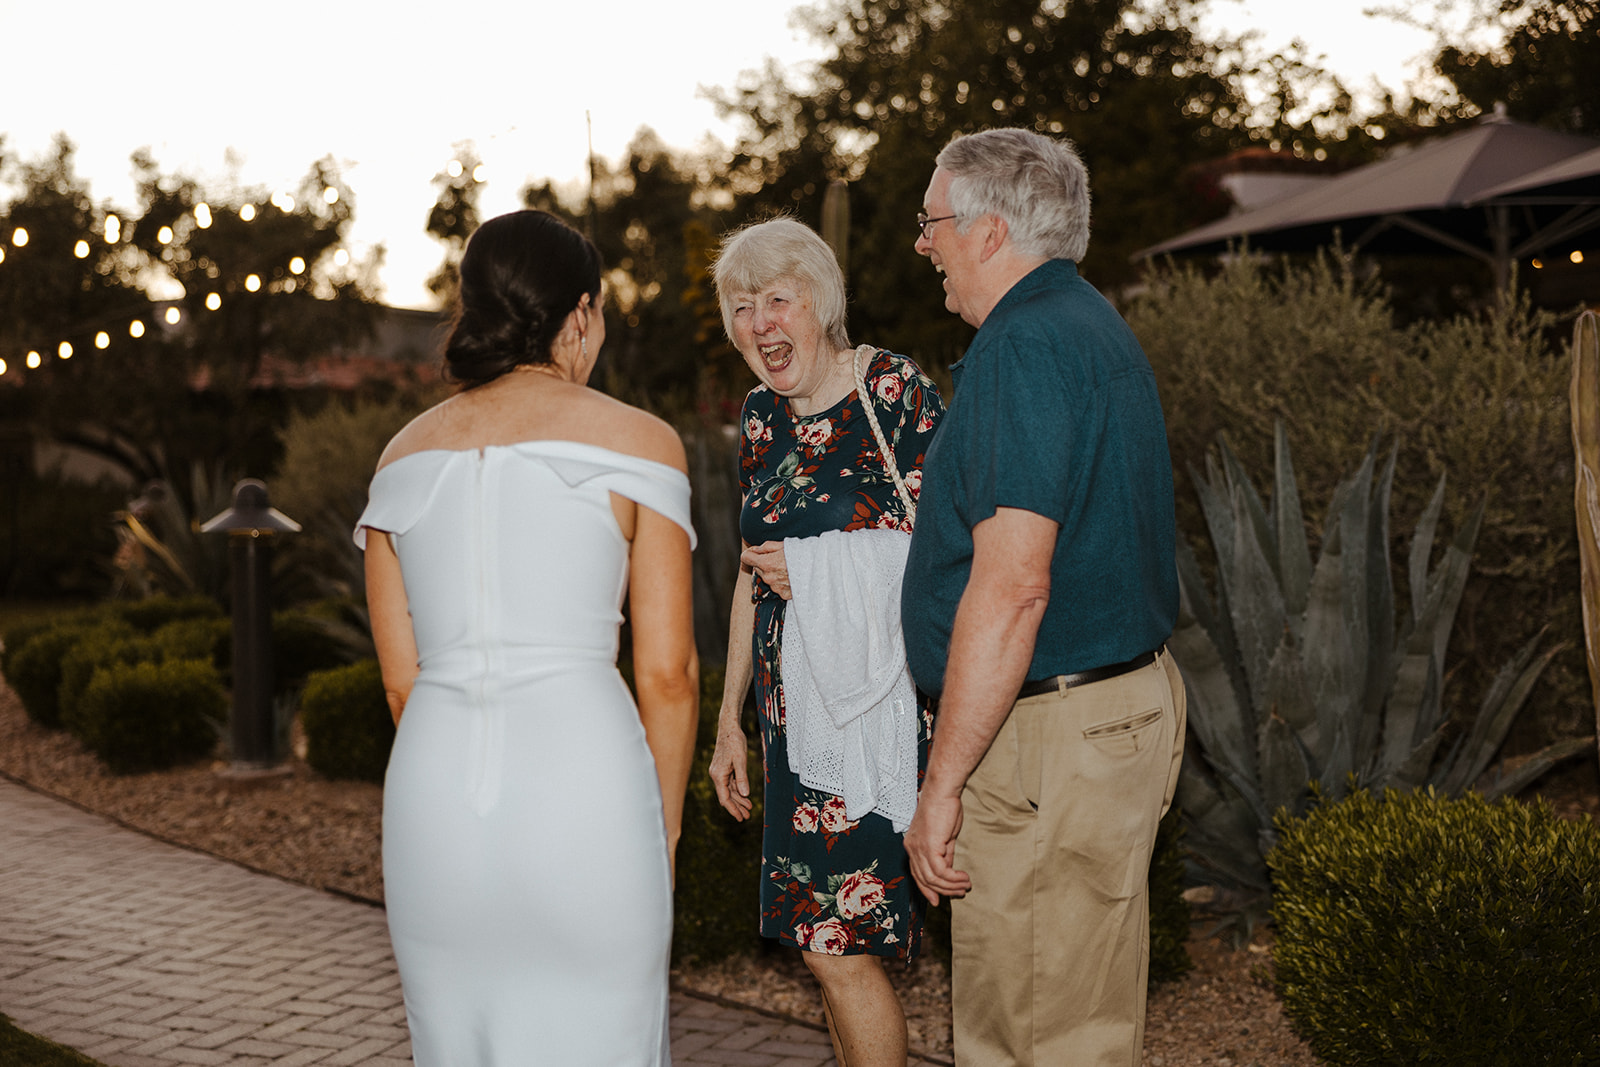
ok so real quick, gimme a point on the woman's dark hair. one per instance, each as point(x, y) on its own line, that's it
point(522, 274)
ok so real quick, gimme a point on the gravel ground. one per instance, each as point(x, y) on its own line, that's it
point(326, 834)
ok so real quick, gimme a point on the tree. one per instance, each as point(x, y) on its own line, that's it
point(453, 218)
point(1135, 85)
point(1546, 70)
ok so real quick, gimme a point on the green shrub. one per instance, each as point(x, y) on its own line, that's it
point(349, 729)
point(20, 634)
point(198, 638)
point(1169, 912)
point(1414, 929)
point(150, 716)
point(152, 613)
point(95, 649)
point(717, 904)
point(34, 671)
point(302, 645)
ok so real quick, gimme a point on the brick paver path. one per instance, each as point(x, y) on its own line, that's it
point(142, 954)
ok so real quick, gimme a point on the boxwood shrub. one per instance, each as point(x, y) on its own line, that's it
point(1413, 929)
point(150, 716)
point(152, 613)
point(34, 671)
point(346, 718)
point(96, 649)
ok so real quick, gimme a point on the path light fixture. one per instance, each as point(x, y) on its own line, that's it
point(252, 526)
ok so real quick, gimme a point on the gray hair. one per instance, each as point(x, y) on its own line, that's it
point(1037, 184)
point(762, 253)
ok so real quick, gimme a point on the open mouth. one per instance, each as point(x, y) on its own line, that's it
point(776, 356)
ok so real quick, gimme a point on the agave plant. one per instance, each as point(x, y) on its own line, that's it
point(1300, 674)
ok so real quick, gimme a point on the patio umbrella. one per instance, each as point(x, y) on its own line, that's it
point(1441, 192)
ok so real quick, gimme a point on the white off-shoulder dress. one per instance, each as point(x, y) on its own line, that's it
point(524, 852)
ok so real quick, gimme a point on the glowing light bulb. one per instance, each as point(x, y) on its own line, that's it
point(64, 350)
point(248, 213)
point(1576, 257)
point(102, 340)
point(202, 216)
point(2, 255)
point(330, 195)
point(19, 237)
point(1538, 264)
point(113, 229)
point(135, 328)
point(454, 169)
point(2, 366)
point(297, 265)
point(173, 315)
point(164, 235)
point(213, 301)
point(480, 173)
point(253, 282)
point(81, 249)
point(341, 258)
point(34, 359)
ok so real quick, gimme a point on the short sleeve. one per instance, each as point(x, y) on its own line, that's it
point(1023, 428)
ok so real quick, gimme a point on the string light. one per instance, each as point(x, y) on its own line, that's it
point(454, 168)
point(102, 340)
point(34, 359)
point(2, 366)
point(113, 229)
point(1538, 264)
point(1576, 257)
point(164, 235)
point(248, 212)
point(202, 216)
point(297, 265)
point(341, 258)
point(173, 315)
point(330, 195)
point(81, 249)
point(213, 301)
point(253, 282)
point(480, 173)
point(136, 329)
point(19, 237)
point(64, 350)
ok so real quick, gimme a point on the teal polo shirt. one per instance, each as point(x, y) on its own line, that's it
point(1055, 412)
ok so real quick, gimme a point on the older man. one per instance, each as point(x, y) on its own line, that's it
point(1039, 594)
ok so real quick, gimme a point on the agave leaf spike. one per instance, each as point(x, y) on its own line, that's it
point(1530, 769)
point(1500, 705)
point(1414, 771)
point(1255, 604)
point(1285, 770)
point(1214, 622)
point(1253, 511)
point(1411, 700)
point(1380, 589)
point(1217, 713)
point(1422, 549)
point(1332, 675)
point(1451, 577)
point(1218, 512)
point(1294, 550)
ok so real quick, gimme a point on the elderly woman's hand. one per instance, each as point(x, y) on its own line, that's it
point(730, 769)
point(766, 559)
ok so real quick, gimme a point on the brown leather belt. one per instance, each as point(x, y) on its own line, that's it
point(1095, 674)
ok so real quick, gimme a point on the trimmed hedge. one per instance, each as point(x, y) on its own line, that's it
point(349, 729)
point(150, 716)
point(1414, 929)
point(34, 670)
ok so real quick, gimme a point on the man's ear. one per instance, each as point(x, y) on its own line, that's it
point(994, 238)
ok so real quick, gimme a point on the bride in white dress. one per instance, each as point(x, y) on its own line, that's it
point(531, 809)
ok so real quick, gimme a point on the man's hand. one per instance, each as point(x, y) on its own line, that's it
point(931, 844)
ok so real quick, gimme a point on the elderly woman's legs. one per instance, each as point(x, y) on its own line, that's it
point(865, 1019)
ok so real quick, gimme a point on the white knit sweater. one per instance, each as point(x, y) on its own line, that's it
point(850, 705)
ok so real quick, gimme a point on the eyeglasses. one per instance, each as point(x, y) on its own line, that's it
point(923, 221)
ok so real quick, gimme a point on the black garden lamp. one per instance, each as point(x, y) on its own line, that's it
point(252, 525)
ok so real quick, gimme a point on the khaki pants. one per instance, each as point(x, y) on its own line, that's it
point(1051, 948)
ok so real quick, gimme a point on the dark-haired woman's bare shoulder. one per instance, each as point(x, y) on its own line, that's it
point(638, 433)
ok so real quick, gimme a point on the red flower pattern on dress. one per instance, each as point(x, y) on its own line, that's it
point(888, 388)
point(830, 938)
point(806, 818)
point(858, 894)
point(834, 819)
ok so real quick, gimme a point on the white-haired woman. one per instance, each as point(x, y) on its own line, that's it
point(831, 442)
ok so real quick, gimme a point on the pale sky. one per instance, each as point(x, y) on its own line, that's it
point(253, 94)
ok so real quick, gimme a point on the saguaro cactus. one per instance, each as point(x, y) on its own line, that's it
point(1586, 496)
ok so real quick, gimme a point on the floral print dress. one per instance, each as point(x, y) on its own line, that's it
point(829, 884)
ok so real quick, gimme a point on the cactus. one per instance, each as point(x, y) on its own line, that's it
point(1586, 494)
point(1299, 673)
